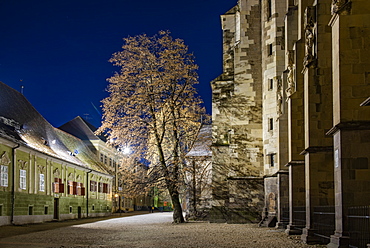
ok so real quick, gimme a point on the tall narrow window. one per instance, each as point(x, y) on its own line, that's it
point(58, 186)
point(269, 49)
point(42, 183)
point(23, 179)
point(70, 187)
point(100, 187)
point(93, 186)
point(4, 176)
point(272, 160)
point(271, 84)
point(80, 189)
point(269, 9)
point(271, 124)
point(74, 188)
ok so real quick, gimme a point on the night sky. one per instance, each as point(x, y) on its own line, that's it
point(59, 50)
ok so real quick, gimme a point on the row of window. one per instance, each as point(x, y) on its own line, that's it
point(46, 209)
point(74, 188)
point(22, 178)
point(108, 161)
point(99, 187)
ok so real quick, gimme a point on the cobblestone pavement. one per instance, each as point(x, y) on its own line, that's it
point(146, 230)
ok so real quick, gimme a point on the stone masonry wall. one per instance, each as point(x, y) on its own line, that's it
point(237, 117)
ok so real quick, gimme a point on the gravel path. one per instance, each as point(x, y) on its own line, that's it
point(154, 230)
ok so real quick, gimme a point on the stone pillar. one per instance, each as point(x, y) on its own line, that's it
point(350, 25)
point(352, 176)
point(297, 220)
point(294, 91)
point(317, 114)
point(319, 187)
point(282, 199)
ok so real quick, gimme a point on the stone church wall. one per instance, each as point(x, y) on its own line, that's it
point(237, 119)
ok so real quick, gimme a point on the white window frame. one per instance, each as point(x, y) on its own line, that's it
point(23, 179)
point(42, 183)
point(4, 176)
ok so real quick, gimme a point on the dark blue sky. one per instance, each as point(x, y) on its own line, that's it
point(59, 50)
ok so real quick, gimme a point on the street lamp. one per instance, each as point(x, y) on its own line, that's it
point(119, 201)
point(126, 150)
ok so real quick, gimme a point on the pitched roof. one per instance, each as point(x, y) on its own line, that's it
point(80, 128)
point(202, 145)
point(233, 10)
point(20, 122)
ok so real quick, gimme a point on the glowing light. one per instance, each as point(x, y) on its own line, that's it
point(126, 150)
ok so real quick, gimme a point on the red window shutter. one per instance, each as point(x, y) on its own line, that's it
point(58, 186)
point(74, 188)
point(61, 188)
point(83, 191)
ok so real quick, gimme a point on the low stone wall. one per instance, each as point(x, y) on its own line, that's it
point(244, 203)
point(27, 219)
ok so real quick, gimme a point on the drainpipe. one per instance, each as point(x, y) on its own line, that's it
point(87, 193)
point(13, 184)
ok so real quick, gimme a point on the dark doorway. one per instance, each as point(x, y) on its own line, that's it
point(79, 212)
point(56, 208)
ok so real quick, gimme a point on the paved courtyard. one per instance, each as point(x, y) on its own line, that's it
point(145, 230)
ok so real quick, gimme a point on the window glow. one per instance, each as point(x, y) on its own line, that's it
point(4, 176)
point(22, 179)
point(42, 182)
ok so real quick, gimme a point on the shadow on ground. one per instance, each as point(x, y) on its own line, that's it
point(14, 230)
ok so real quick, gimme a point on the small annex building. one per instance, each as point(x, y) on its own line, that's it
point(46, 174)
point(198, 176)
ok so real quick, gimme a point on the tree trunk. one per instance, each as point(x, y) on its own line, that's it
point(177, 209)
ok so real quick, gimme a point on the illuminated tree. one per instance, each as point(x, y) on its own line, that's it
point(153, 107)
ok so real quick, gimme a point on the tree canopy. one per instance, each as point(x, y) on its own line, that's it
point(153, 106)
